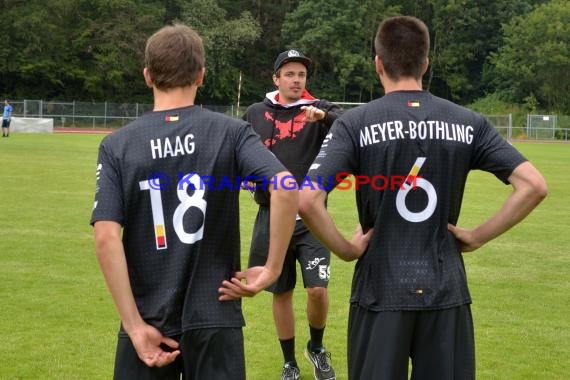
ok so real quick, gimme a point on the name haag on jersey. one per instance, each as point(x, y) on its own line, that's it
point(178, 146)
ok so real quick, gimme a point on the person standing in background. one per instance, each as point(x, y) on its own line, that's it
point(292, 124)
point(6, 118)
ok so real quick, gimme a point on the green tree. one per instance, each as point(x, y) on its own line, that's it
point(69, 49)
point(35, 55)
point(225, 41)
point(111, 45)
point(535, 57)
point(463, 34)
point(258, 66)
point(340, 43)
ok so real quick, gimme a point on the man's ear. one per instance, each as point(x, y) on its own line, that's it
point(379, 66)
point(275, 80)
point(200, 77)
point(426, 65)
point(147, 78)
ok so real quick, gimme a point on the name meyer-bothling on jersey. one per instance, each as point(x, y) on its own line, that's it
point(421, 130)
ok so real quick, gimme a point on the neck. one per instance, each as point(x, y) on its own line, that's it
point(178, 97)
point(403, 84)
point(284, 100)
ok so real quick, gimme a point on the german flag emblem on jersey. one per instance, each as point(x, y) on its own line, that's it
point(413, 103)
point(171, 118)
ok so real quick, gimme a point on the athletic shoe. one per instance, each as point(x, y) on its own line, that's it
point(290, 372)
point(322, 362)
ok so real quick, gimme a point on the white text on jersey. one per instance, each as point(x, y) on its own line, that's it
point(165, 148)
point(422, 130)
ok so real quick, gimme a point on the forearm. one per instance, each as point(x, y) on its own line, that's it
point(529, 189)
point(111, 257)
point(315, 215)
point(517, 206)
point(283, 210)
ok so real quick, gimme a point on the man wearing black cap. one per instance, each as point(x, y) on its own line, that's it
point(293, 124)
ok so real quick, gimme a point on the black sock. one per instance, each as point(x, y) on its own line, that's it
point(288, 348)
point(316, 338)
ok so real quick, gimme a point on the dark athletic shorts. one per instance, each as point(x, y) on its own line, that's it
point(216, 354)
point(313, 257)
point(6, 123)
point(440, 344)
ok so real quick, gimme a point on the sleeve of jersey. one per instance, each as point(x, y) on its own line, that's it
point(254, 160)
point(337, 158)
point(108, 204)
point(494, 154)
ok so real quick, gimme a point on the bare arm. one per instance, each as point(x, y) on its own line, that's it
point(529, 189)
point(283, 210)
point(146, 339)
point(315, 215)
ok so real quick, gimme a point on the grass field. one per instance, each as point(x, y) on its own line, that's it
point(57, 319)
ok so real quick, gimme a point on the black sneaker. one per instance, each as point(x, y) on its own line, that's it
point(322, 362)
point(290, 372)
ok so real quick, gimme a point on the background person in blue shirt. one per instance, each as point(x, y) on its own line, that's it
point(6, 118)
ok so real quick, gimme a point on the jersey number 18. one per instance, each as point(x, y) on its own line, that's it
point(186, 203)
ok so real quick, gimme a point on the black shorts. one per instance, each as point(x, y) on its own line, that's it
point(313, 257)
point(440, 344)
point(5, 123)
point(216, 354)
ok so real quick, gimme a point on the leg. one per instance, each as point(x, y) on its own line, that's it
point(444, 345)
point(314, 260)
point(216, 354)
point(379, 344)
point(283, 315)
point(282, 305)
point(315, 268)
point(5, 128)
point(315, 352)
point(317, 307)
point(282, 290)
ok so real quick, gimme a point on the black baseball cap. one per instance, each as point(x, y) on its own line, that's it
point(290, 56)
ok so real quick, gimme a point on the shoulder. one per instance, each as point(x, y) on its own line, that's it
point(364, 110)
point(255, 107)
point(126, 134)
point(256, 112)
point(453, 106)
point(226, 125)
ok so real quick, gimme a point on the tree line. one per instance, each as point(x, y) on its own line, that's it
point(92, 50)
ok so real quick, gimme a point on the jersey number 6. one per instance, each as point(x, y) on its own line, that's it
point(413, 182)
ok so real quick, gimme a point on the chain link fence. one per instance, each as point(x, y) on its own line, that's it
point(92, 115)
point(114, 115)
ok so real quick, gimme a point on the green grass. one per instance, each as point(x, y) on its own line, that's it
point(58, 321)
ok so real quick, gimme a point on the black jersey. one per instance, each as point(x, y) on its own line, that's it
point(415, 151)
point(171, 179)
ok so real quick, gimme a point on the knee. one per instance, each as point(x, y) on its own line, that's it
point(317, 293)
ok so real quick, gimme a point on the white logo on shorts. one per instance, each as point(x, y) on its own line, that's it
point(313, 263)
